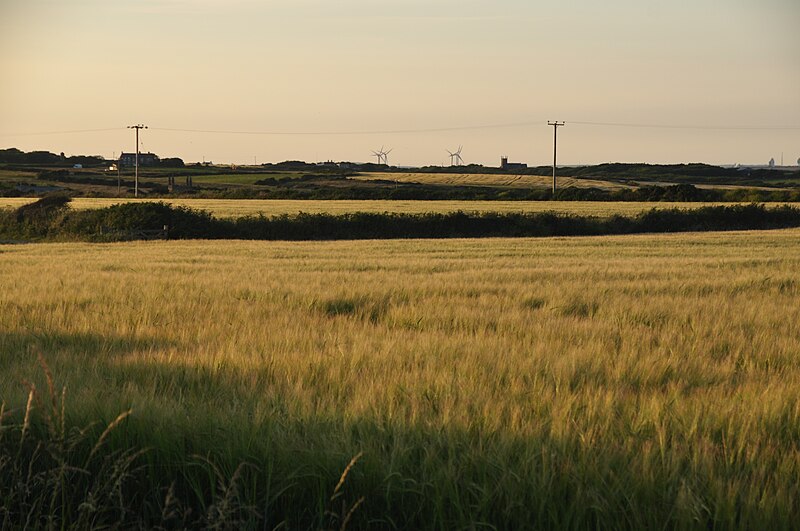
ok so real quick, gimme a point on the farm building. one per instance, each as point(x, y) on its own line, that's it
point(505, 165)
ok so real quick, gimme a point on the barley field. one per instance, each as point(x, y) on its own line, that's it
point(276, 207)
point(524, 181)
point(489, 179)
point(626, 382)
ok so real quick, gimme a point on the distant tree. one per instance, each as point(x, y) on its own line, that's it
point(86, 160)
point(11, 155)
point(41, 157)
point(172, 162)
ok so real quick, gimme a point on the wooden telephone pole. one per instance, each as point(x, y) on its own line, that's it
point(136, 185)
point(555, 125)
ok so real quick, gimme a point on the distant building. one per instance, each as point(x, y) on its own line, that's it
point(332, 164)
point(145, 159)
point(510, 166)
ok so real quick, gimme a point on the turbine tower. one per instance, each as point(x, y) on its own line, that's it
point(455, 157)
point(378, 154)
point(382, 156)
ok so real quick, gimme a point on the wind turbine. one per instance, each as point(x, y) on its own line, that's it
point(379, 154)
point(455, 157)
point(382, 156)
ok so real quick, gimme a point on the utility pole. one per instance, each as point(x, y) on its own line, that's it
point(136, 185)
point(555, 125)
point(116, 163)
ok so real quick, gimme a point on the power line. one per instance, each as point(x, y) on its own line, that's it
point(74, 131)
point(487, 126)
point(698, 127)
point(432, 129)
point(343, 133)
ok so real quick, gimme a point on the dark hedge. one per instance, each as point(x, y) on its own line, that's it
point(49, 219)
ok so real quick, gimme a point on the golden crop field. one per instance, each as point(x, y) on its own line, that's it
point(276, 207)
point(626, 382)
point(478, 179)
point(522, 181)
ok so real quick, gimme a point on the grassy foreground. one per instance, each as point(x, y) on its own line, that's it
point(624, 382)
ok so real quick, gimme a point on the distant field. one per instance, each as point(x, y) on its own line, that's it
point(15, 174)
point(465, 179)
point(526, 181)
point(633, 382)
point(236, 178)
point(91, 182)
point(275, 207)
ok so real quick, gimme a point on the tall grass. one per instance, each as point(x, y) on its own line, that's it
point(624, 382)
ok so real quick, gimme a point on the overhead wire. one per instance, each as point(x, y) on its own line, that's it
point(429, 130)
point(363, 132)
point(74, 131)
point(698, 127)
point(486, 126)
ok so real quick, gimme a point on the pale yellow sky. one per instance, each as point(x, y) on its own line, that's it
point(388, 65)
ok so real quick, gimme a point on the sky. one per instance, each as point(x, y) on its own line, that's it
point(715, 81)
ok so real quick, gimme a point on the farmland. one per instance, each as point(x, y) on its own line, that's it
point(626, 381)
point(295, 180)
point(503, 180)
point(565, 179)
point(276, 207)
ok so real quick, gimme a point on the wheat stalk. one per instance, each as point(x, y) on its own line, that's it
point(26, 423)
point(344, 474)
point(122, 416)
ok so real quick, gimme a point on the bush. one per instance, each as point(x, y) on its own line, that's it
point(39, 219)
point(49, 219)
point(118, 220)
point(42, 209)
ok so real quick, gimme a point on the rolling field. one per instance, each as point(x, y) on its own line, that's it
point(477, 179)
point(238, 178)
point(535, 181)
point(604, 382)
point(275, 207)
